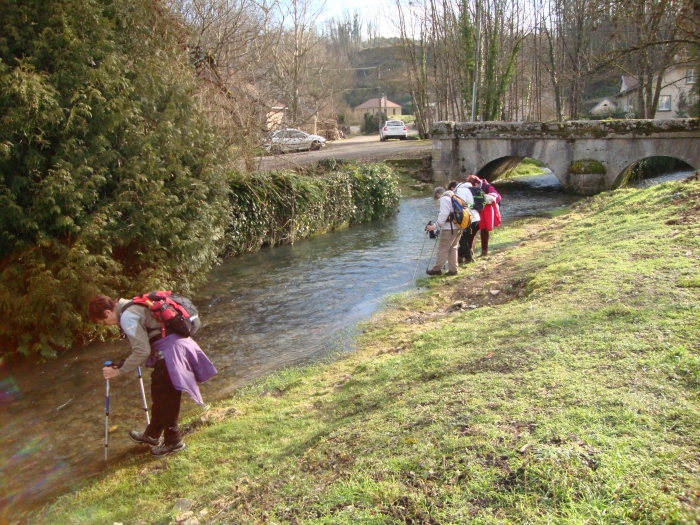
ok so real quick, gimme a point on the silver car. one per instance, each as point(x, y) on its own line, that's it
point(285, 140)
point(393, 129)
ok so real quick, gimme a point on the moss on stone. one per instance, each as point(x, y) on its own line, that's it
point(587, 166)
point(563, 130)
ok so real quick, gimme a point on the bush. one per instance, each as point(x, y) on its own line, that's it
point(111, 180)
point(371, 123)
point(281, 207)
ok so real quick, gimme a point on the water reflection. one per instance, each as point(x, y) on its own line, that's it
point(278, 307)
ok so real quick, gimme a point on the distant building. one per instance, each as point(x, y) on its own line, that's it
point(392, 109)
point(677, 79)
point(600, 107)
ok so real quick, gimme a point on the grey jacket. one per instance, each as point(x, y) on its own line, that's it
point(139, 325)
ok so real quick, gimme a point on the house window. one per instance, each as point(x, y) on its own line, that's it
point(692, 98)
point(664, 103)
point(691, 76)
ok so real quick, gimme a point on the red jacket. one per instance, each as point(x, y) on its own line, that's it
point(491, 214)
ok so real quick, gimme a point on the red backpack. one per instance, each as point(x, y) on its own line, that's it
point(175, 313)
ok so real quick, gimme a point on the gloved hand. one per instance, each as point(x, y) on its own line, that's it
point(489, 199)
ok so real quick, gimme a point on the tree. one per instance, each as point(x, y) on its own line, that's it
point(111, 178)
point(226, 40)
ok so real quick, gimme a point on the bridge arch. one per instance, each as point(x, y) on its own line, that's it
point(655, 166)
point(499, 168)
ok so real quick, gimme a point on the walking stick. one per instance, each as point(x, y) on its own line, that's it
point(431, 253)
point(143, 396)
point(419, 256)
point(107, 363)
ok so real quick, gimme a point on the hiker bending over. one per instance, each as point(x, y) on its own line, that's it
point(448, 241)
point(465, 252)
point(491, 214)
point(177, 361)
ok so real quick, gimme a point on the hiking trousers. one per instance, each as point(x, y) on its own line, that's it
point(448, 243)
point(466, 243)
point(166, 406)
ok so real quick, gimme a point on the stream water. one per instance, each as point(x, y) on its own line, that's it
point(279, 307)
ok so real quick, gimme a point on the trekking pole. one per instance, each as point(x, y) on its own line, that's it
point(431, 253)
point(419, 256)
point(143, 396)
point(107, 363)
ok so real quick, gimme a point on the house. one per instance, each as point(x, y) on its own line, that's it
point(392, 109)
point(271, 112)
point(600, 107)
point(677, 83)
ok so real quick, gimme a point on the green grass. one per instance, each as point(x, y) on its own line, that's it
point(527, 167)
point(571, 397)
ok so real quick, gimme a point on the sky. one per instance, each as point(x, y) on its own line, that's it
point(368, 9)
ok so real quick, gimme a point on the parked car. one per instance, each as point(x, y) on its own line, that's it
point(393, 129)
point(284, 140)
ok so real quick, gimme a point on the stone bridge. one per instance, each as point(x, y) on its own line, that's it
point(586, 156)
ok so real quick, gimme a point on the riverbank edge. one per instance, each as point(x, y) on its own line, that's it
point(569, 392)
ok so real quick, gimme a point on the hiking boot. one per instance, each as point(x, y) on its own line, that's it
point(164, 450)
point(452, 273)
point(142, 439)
point(434, 272)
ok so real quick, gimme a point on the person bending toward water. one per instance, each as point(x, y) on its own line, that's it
point(491, 214)
point(465, 252)
point(448, 241)
point(178, 365)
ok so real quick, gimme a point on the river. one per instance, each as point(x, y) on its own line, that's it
point(278, 307)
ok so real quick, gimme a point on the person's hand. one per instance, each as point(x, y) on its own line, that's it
point(109, 372)
point(430, 228)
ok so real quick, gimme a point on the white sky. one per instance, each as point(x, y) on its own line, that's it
point(368, 9)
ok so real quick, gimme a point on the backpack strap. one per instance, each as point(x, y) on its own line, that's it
point(163, 331)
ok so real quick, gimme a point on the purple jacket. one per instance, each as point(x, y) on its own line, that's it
point(187, 364)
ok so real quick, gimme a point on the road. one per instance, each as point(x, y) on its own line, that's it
point(368, 148)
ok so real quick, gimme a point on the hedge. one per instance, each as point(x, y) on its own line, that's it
point(281, 207)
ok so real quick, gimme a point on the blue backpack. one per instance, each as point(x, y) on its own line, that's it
point(460, 215)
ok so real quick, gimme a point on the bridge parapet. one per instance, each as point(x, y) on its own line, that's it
point(611, 146)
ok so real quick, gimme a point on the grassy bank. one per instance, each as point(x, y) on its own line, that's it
point(526, 168)
point(569, 394)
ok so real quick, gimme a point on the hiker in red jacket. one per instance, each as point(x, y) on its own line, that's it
point(490, 215)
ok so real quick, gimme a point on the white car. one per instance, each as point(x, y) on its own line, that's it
point(284, 140)
point(393, 129)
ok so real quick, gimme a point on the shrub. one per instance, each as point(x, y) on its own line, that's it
point(111, 180)
point(281, 207)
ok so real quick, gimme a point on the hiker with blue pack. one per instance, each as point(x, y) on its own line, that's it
point(474, 198)
point(159, 326)
point(453, 217)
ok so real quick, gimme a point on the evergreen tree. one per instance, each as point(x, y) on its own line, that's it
point(111, 179)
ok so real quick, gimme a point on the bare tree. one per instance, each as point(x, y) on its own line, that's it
point(647, 46)
point(227, 39)
point(412, 26)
